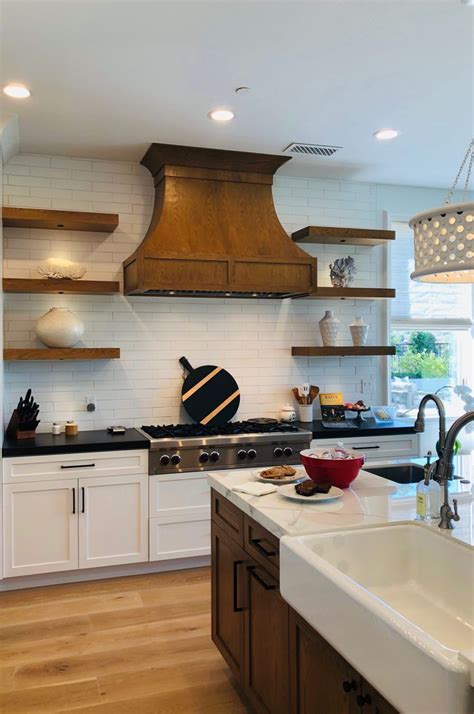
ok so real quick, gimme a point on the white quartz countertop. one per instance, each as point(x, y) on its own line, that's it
point(371, 500)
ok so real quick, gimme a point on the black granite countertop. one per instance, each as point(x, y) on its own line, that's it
point(368, 428)
point(100, 440)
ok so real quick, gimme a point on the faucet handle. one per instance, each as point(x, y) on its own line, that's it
point(456, 516)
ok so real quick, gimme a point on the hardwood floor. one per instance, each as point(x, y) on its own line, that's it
point(140, 644)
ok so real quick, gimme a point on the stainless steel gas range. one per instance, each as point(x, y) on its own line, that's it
point(179, 448)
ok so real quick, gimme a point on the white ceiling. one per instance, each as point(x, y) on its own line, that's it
point(111, 76)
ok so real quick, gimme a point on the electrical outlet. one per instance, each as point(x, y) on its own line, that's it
point(91, 403)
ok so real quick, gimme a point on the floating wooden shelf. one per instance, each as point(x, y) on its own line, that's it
point(342, 351)
point(56, 353)
point(328, 293)
point(351, 236)
point(59, 220)
point(60, 286)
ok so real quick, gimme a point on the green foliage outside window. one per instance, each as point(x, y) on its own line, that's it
point(419, 356)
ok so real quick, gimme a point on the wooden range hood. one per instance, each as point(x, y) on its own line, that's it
point(214, 230)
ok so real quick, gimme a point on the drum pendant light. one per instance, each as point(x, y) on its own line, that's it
point(444, 236)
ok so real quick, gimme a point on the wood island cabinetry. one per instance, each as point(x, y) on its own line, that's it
point(282, 665)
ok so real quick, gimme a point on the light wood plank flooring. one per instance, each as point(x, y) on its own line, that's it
point(140, 644)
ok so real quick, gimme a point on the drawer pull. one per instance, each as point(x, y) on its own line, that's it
point(235, 565)
point(77, 466)
point(257, 543)
point(364, 448)
point(259, 579)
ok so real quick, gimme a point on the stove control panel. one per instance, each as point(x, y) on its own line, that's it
point(226, 456)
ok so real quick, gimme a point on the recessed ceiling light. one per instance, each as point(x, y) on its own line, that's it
point(385, 134)
point(221, 115)
point(17, 91)
point(242, 90)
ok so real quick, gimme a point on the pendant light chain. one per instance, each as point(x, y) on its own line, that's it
point(469, 154)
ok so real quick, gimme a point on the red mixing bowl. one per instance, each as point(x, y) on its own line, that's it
point(338, 472)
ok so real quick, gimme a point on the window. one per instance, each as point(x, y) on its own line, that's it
point(431, 328)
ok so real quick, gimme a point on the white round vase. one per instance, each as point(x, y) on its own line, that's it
point(329, 327)
point(59, 328)
point(359, 331)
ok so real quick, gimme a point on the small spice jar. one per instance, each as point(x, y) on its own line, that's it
point(71, 428)
point(56, 428)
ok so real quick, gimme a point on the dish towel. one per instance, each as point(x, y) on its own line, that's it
point(254, 488)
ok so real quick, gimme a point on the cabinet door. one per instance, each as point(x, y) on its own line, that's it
point(321, 681)
point(40, 527)
point(228, 562)
point(373, 703)
point(113, 520)
point(266, 643)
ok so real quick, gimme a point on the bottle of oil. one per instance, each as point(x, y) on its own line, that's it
point(428, 494)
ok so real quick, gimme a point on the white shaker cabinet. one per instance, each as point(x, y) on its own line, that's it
point(95, 515)
point(180, 525)
point(40, 527)
point(113, 520)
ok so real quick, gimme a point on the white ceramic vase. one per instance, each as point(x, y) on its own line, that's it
point(59, 328)
point(359, 331)
point(329, 327)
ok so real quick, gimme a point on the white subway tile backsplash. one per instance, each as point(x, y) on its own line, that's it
point(252, 339)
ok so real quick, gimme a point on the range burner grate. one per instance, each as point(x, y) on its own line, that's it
point(232, 428)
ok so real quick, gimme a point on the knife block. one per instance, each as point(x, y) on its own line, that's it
point(13, 431)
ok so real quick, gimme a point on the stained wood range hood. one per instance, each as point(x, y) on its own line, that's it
point(214, 230)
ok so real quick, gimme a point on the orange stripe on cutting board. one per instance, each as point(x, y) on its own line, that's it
point(200, 384)
point(221, 406)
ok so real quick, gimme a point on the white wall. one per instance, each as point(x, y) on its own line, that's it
point(252, 339)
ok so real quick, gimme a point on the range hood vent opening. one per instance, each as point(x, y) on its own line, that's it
point(312, 149)
point(214, 231)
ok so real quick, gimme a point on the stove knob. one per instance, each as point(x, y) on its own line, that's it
point(164, 460)
point(214, 456)
point(278, 451)
point(251, 453)
point(176, 459)
point(288, 451)
point(241, 454)
point(204, 457)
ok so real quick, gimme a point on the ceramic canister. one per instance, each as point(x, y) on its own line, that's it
point(287, 413)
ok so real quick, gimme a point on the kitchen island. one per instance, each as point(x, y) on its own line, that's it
point(281, 662)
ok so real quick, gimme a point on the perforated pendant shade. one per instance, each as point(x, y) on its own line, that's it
point(444, 244)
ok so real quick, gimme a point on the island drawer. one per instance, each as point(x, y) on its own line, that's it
point(228, 517)
point(262, 546)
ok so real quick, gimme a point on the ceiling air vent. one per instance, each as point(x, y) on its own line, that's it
point(311, 149)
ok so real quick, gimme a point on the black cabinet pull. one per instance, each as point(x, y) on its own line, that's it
point(73, 500)
point(259, 579)
point(364, 448)
point(77, 466)
point(83, 494)
point(349, 686)
point(257, 542)
point(235, 565)
point(363, 700)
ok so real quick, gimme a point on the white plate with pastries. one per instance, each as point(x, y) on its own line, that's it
point(276, 475)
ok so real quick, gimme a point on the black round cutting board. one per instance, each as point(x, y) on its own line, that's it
point(210, 394)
